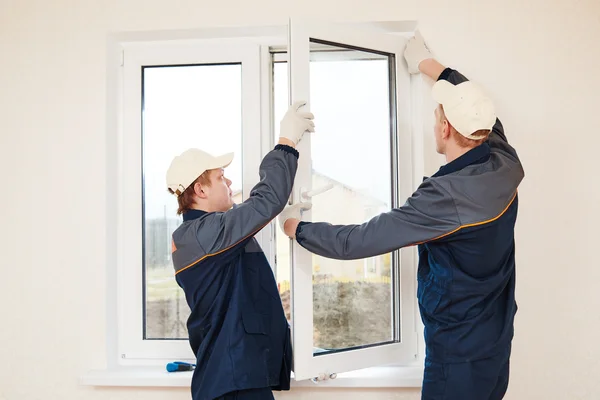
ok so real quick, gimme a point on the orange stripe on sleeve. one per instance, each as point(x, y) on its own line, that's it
point(471, 225)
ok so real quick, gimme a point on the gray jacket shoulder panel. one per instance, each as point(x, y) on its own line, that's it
point(216, 232)
point(482, 192)
point(185, 242)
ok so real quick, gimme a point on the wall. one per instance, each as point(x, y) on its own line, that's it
point(538, 58)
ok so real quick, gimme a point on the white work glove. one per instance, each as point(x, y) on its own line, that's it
point(293, 211)
point(416, 51)
point(295, 123)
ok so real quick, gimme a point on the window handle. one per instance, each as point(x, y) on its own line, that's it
point(309, 194)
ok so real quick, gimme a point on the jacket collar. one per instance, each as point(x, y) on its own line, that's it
point(476, 155)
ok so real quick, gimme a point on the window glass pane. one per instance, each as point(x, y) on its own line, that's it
point(351, 151)
point(183, 107)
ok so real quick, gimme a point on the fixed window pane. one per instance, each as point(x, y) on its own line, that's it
point(352, 153)
point(183, 107)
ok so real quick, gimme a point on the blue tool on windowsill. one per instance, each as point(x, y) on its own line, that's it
point(180, 366)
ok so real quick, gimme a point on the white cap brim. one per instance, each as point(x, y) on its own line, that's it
point(192, 163)
point(222, 161)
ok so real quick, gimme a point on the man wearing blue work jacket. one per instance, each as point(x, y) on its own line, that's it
point(462, 219)
point(237, 327)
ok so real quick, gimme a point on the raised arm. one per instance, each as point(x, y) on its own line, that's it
point(222, 230)
point(420, 59)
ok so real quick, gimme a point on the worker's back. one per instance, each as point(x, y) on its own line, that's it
point(466, 290)
point(466, 286)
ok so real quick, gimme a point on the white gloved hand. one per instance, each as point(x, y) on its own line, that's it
point(293, 211)
point(295, 123)
point(416, 51)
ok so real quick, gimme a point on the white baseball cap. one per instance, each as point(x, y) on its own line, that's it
point(467, 107)
point(189, 165)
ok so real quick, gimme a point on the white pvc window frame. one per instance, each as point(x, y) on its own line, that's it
point(252, 47)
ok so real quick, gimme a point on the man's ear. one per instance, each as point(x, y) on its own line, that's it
point(199, 190)
point(446, 127)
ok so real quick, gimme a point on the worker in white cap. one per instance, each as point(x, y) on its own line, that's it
point(462, 219)
point(237, 327)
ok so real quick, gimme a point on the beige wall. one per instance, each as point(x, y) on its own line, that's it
point(539, 59)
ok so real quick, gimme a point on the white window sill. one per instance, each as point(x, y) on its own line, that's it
point(379, 377)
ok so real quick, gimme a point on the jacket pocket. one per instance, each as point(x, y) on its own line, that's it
point(254, 323)
point(430, 297)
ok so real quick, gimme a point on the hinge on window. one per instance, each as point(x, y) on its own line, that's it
point(323, 377)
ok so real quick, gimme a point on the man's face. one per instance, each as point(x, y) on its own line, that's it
point(219, 194)
point(441, 130)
